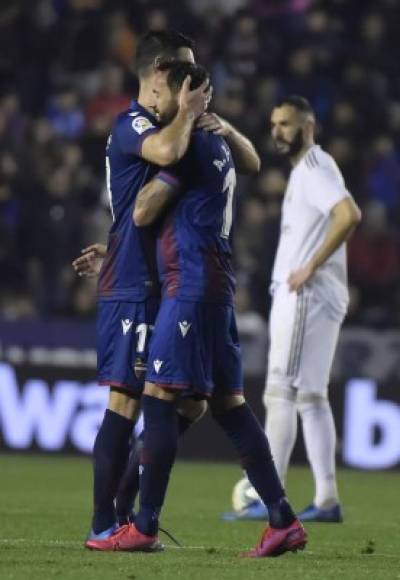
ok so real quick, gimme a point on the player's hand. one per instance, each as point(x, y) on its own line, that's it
point(215, 124)
point(194, 102)
point(90, 262)
point(300, 277)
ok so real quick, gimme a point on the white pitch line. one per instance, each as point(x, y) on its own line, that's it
point(76, 544)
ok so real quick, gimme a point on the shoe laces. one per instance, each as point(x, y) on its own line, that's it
point(171, 537)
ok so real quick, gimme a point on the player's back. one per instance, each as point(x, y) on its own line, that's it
point(194, 249)
point(127, 272)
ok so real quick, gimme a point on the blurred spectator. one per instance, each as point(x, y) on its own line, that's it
point(65, 115)
point(383, 174)
point(374, 265)
point(110, 99)
point(52, 238)
point(66, 72)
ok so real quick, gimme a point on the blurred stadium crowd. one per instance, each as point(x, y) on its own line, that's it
point(66, 71)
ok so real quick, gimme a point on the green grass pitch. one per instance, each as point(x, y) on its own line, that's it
point(45, 511)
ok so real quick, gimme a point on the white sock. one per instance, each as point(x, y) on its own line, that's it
point(281, 425)
point(320, 441)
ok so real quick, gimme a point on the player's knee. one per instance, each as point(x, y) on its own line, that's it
point(222, 403)
point(124, 403)
point(311, 402)
point(154, 390)
point(192, 409)
point(275, 394)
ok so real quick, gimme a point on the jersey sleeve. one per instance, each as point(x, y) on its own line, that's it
point(175, 175)
point(132, 131)
point(324, 188)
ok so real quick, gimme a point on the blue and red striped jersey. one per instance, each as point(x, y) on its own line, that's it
point(193, 250)
point(129, 270)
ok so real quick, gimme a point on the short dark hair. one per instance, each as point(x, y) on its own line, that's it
point(301, 104)
point(178, 71)
point(159, 43)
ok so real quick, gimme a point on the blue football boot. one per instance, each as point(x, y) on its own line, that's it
point(101, 538)
point(312, 513)
point(254, 511)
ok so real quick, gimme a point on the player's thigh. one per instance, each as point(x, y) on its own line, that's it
point(286, 330)
point(123, 333)
point(318, 350)
point(180, 354)
point(124, 402)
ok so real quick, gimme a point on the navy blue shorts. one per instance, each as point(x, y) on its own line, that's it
point(123, 334)
point(195, 348)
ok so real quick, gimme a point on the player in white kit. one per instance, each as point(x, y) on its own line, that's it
point(310, 297)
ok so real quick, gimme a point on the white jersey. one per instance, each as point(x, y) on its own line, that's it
point(315, 186)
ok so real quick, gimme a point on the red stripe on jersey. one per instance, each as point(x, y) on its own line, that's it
point(170, 257)
point(168, 178)
point(107, 274)
point(220, 278)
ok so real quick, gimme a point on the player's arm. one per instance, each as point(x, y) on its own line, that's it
point(244, 153)
point(153, 198)
point(344, 216)
point(168, 145)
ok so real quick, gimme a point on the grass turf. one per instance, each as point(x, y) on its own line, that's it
point(45, 512)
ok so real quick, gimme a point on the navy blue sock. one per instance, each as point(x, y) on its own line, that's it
point(129, 486)
point(158, 455)
point(110, 456)
point(249, 439)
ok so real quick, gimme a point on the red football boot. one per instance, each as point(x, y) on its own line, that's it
point(275, 542)
point(126, 539)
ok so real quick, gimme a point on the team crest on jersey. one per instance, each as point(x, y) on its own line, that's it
point(126, 325)
point(141, 124)
point(185, 327)
point(157, 365)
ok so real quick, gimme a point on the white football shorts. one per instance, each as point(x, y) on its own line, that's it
point(303, 339)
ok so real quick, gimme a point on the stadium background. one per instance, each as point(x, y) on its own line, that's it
point(65, 71)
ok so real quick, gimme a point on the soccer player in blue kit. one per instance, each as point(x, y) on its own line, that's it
point(128, 286)
point(128, 289)
point(195, 349)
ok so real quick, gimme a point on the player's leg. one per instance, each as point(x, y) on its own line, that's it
point(110, 455)
point(235, 417)
point(158, 454)
point(173, 358)
point(116, 339)
point(189, 411)
point(316, 413)
point(285, 533)
point(281, 425)
point(286, 324)
point(287, 319)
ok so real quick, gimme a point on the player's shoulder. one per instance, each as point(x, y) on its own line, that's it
point(136, 118)
point(318, 162)
point(316, 159)
point(209, 142)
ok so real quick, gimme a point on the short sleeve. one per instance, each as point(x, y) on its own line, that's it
point(324, 188)
point(176, 175)
point(132, 130)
